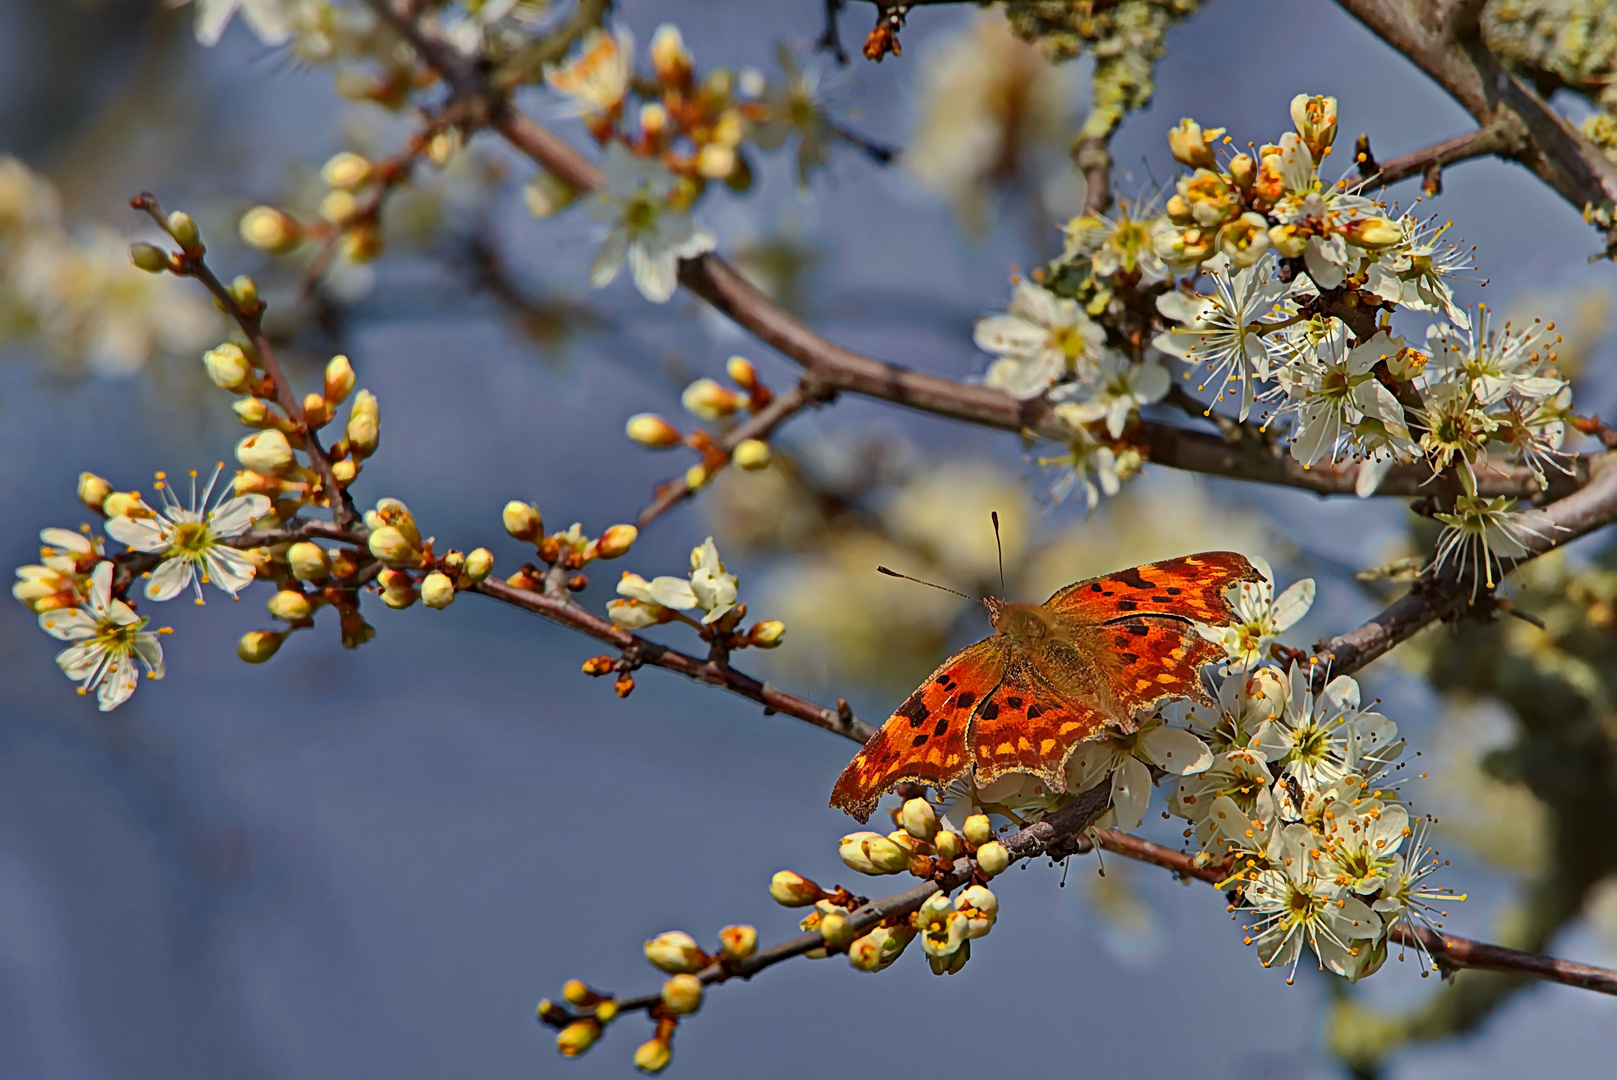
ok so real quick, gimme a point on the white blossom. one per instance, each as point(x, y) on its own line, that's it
point(1042, 339)
point(1114, 392)
point(646, 229)
point(1480, 532)
point(1261, 618)
point(267, 18)
point(1126, 759)
point(192, 540)
point(1337, 399)
point(107, 639)
point(1296, 902)
point(1225, 329)
point(1320, 739)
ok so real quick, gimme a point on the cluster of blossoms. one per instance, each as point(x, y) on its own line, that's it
point(710, 401)
point(660, 158)
point(709, 590)
point(1285, 788)
point(75, 292)
point(1301, 278)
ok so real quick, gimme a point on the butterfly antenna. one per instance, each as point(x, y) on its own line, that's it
point(999, 547)
point(918, 581)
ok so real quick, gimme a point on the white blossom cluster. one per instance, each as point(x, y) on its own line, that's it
point(1272, 262)
point(1286, 790)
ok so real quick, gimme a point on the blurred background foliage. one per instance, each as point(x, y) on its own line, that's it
point(502, 375)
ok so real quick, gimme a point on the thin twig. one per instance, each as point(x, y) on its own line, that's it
point(193, 264)
point(1498, 137)
point(759, 426)
point(1448, 951)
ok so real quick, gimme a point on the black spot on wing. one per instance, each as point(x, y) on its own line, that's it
point(1132, 579)
point(990, 711)
point(914, 710)
point(919, 740)
point(1014, 702)
point(1126, 605)
point(1129, 658)
point(942, 728)
point(1173, 590)
point(1035, 711)
point(965, 699)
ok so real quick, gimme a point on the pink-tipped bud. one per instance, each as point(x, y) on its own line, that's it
point(793, 890)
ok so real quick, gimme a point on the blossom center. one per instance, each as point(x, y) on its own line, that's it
point(191, 539)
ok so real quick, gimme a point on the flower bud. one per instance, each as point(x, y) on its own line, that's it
point(307, 561)
point(437, 591)
point(345, 170)
point(290, 605)
point(793, 890)
point(979, 907)
point(674, 952)
point(653, 119)
point(707, 400)
point(1315, 120)
point(836, 931)
point(992, 858)
point(978, 829)
point(364, 425)
point(479, 564)
point(919, 819)
point(878, 949)
point(265, 451)
point(652, 431)
point(149, 257)
point(616, 541)
point(767, 634)
point(1407, 363)
point(951, 963)
point(1245, 239)
point(93, 490)
point(339, 380)
point(606, 1011)
point(122, 504)
point(669, 57)
point(715, 161)
point(267, 229)
point(391, 546)
point(682, 994)
point(257, 646)
point(1193, 147)
point(523, 522)
point(360, 242)
point(578, 1036)
point(338, 206)
point(393, 512)
point(316, 413)
point(1288, 240)
point(751, 454)
point(183, 229)
point(244, 290)
point(741, 372)
point(738, 942)
point(653, 1055)
point(949, 845)
point(575, 992)
point(872, 853)
point(547, 194)
point(228, 367)
point(1372, 232)
point(255, 413)
point(1244, 171)
point(696, 476)
point(398, 588)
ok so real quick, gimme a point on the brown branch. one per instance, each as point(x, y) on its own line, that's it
point(1059, 835)
point(759, 426)
point(1590, 507)
point(191, 263)
point(1094, 161)
point(1454, 56)
point(1449, 952)
point(561, 609)
point(839, 369)
point(1495, 138)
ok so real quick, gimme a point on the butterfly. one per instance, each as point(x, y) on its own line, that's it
point(1051, 676)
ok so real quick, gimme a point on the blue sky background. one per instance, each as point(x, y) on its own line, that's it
point(374, 864)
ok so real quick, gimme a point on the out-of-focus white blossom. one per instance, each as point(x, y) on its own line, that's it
point(1040, 340)
point(1115, 391)
point(647, 231)
point(268, 19)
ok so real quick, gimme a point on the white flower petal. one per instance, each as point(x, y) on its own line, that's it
point(69, 625)
point(1292, 604)
point(1131, 793)
point(170, 577)
point(609, 260)
point(236, 516)
point(1176, 751)
point(141, 534)
point(229, 569)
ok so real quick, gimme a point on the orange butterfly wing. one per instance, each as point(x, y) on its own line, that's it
point(1150, 650)
point(1028, 725)
point(925, 740)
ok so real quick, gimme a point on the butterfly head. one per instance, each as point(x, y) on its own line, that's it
point(1025, 623)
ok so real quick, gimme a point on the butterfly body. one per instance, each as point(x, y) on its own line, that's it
point(1051, 676)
